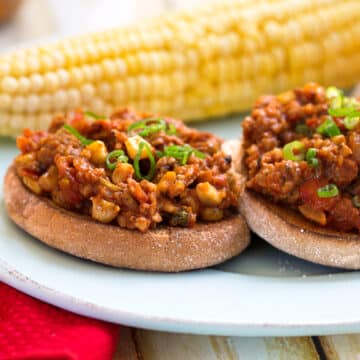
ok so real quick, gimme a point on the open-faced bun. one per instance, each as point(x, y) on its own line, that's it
point(168, 249)
point(291, 232)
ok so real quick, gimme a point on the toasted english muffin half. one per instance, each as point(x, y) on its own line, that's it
point(167, 249)
point(289, 231)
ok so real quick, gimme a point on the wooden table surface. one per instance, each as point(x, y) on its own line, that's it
point(136, 344)
point(43, 18)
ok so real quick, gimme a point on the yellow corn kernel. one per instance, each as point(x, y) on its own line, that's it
point(24, 159)
point(169, 207)
point(286, 96)
point(32, 103)
point(122, 172)
point(48, 180)
point(109, 185)
point(18, 104)
point(212, 214)
point(9, 85)
point(37, 83)
point(167, 179)
point(208, 194)
point(32, 184)
point(73, 98)
point(132, 147)
point(103, 210)
point(188, 199)
point(142, 223)
point(5, 101)
point(98, 152)
point(51, 81)
point(339, 139)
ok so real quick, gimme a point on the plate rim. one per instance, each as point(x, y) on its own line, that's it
point(21, 282)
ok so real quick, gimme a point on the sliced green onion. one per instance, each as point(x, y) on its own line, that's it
point(156, 125)
point(311, 157)
point(303, 129)
point(199, 154)
point(329, 128)
point(182, 153)
point(171, 130)
point(314, 162)
point(152, 129)
point(117, 155)
point(186, 157)
point(311, 153)
point(345, 111)
point(294, 151)
point(73, 131)
point(332, 92)
point(149, 176)
point(356, 201)
point(151, 126)
point(336, 103)
point(336, 97)
point(328, 191)
point(93, 115)
point(341, 105)
point(351, 102)
point(351, 122)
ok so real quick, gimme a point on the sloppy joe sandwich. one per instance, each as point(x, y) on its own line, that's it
point(134, 190)
point(301, 157)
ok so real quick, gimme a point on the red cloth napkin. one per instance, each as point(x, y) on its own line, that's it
point(33, 330)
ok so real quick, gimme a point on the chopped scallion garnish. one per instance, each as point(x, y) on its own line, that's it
point(336, 97)
point(343, 106)
point(149, 176)
point(311, 153)
point(311, 157)
point(345, 111)
point(150, 126)
point(171, 129)
point(351, 102)
point(147, 126)
point(73, 131)
point(340, 106)
point(294, 151)
point(114, 157)
point(328, 128)
point(351, 122)
point(94, 116)
point(328, 191)
point(336, 103)
point(314, 162)
point(332, 92)
point(181, 153)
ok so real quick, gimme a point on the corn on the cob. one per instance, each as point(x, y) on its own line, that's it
point(197, 64)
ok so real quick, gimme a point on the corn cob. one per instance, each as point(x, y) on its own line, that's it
point(191, 64)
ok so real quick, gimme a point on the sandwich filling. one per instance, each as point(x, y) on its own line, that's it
point(133, 169)
point(302, 149)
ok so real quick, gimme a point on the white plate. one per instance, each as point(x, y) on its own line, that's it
point(262, 292)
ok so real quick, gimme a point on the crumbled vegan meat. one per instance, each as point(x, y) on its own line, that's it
point(299, 116)
point(161, 170)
